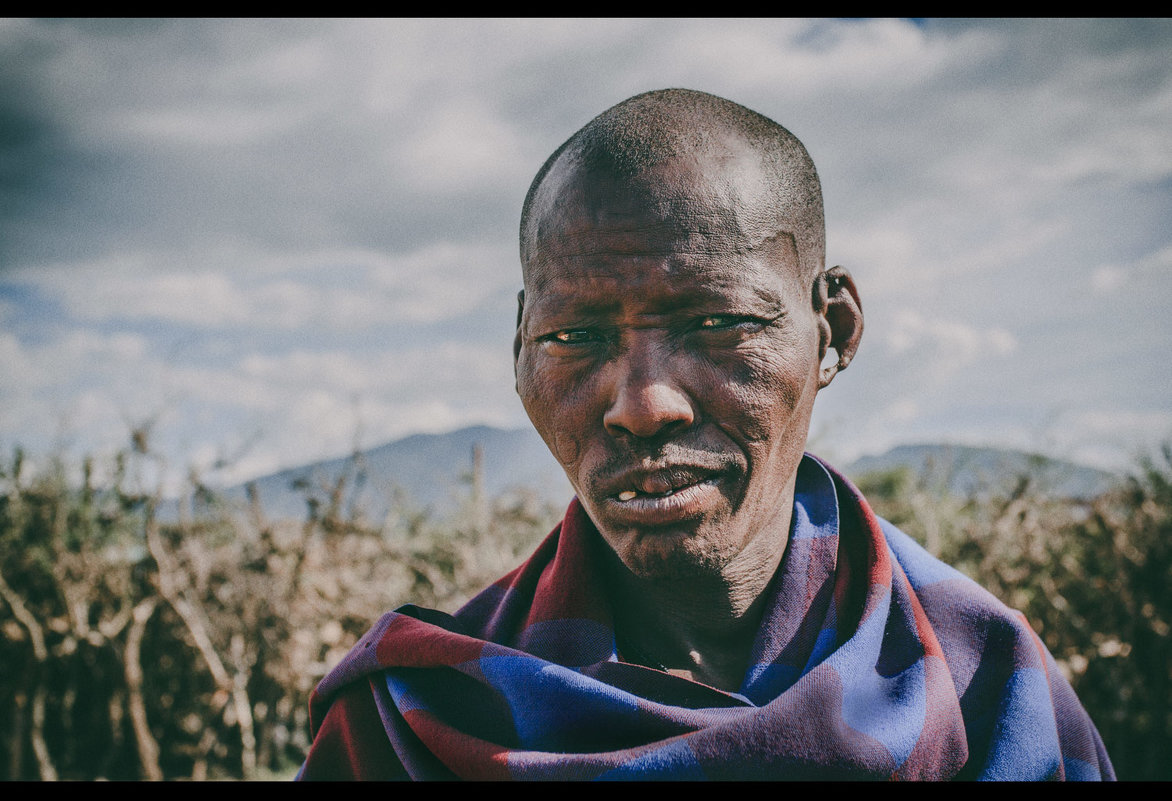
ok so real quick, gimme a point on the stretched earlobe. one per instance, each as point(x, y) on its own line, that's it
point(836, 300)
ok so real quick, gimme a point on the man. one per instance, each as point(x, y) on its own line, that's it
point(715, 603)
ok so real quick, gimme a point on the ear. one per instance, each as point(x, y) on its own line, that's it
point(517, 336)
point(836, 301)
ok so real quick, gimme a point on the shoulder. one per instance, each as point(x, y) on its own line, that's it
point(921, 568)
point(944, 590)
point(351, 743)
point(1021, 715)
point(975, 629)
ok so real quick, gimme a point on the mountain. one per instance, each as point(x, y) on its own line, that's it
point(965, 470)
point(426, 470)
point(435, 471)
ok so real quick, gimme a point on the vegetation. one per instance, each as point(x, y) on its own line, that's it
point(140, 643)
point(140, 648)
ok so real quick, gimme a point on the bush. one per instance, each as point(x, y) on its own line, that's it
point(138, 648)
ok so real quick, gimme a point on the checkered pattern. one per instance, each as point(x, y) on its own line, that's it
point(873, 660)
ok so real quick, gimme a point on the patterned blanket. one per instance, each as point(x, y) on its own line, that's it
point(873, 660)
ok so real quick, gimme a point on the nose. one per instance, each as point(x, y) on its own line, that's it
point(646, 401)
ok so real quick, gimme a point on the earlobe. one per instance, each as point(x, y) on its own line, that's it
point(836, 300)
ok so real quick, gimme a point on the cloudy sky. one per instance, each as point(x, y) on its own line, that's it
point(271, 240)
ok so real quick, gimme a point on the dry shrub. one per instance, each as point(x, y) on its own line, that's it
point(143, 647)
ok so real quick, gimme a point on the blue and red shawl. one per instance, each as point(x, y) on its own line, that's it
point(873, 660)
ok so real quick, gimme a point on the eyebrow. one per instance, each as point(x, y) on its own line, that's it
point(602, 304)
point(557, 308)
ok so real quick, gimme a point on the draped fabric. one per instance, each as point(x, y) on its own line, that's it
point(873, 660)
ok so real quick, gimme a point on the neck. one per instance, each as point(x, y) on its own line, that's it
point(702, 626)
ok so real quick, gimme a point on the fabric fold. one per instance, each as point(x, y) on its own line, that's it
point(873, 660)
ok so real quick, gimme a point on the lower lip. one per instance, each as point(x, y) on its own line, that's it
point(657, 510)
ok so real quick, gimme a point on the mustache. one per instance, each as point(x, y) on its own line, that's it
point(666, 458)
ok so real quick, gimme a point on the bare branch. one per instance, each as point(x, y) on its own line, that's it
point(192, 619)
point(148, 747)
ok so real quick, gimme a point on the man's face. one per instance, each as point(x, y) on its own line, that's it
point(668, 354)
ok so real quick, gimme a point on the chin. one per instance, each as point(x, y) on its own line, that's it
point(674, 558)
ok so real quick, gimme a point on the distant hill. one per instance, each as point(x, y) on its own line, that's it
point(965, 470)
point(434, 471)
point(429, 470)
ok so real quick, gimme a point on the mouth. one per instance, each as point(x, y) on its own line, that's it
point(660, 497)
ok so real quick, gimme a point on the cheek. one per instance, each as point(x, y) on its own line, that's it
point(760, 392)
point(558, 406)
point(567, 448)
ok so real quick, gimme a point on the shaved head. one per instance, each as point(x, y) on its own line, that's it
point(631, 141)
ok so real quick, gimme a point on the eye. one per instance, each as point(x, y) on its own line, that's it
point(573, 337)
point(719, 321)
point(732, 322)
point(571, 341)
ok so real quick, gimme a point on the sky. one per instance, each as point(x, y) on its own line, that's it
point(268, 242)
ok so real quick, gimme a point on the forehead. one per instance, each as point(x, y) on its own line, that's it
point(719, 190)
point(696, 227)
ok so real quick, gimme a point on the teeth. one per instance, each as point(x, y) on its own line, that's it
point(630, 495)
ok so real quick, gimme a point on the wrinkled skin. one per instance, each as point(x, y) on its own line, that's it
point(669, 343)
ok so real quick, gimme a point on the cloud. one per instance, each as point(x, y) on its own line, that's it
point(70, 360)
point(1100, 421)
point(314, 404)
point(78, 389)
point(333, 290)
point(290, 226)
point(214, 126)
point(444, 369)
point(85, 391)
point(457, 146)
point(1152, 269)
point(1111, 437)
point(947, 339)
